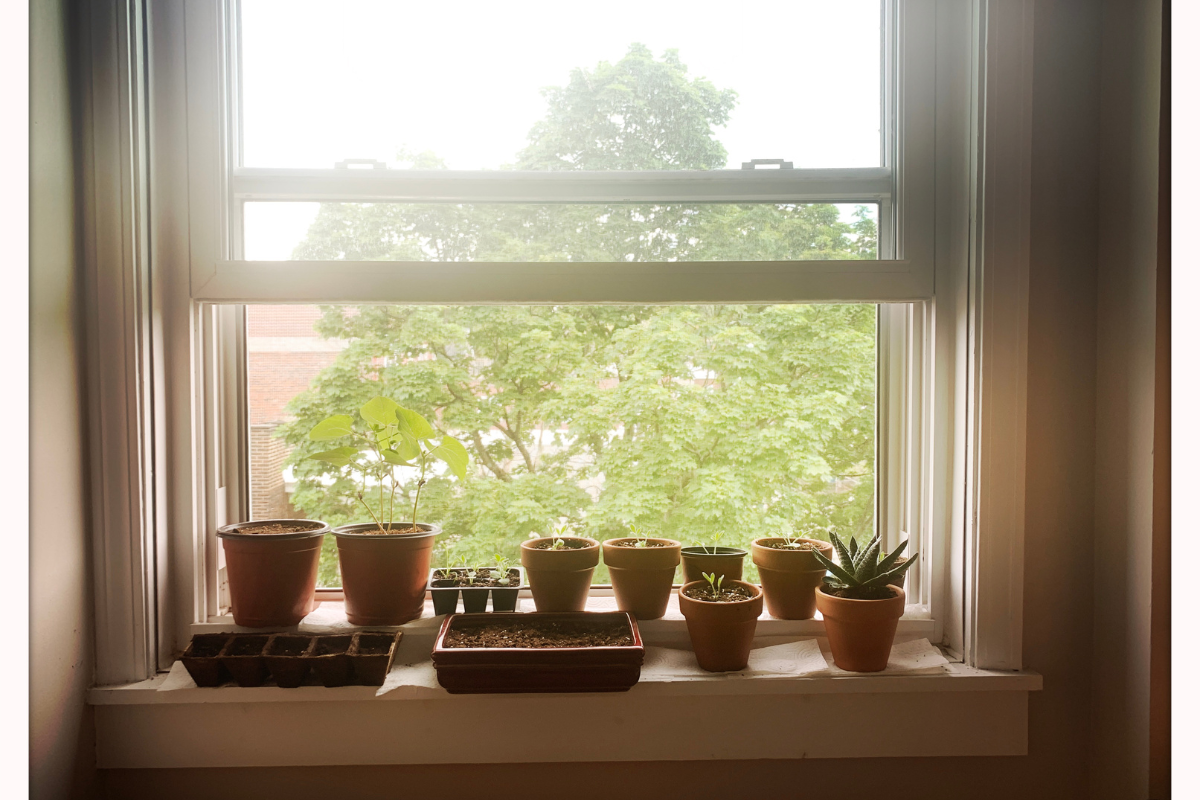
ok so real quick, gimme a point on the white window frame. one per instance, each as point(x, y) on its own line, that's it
point(954, 403)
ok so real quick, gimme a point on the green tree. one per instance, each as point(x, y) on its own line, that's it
point(690, 421)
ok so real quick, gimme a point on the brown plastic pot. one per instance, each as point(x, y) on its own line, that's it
point(789, 577)
point(330, 659)
point(861, 631)
point(642, 577)
point(725, 561)
point(272, 576)
point(560, 579)
point(285, 658)
point(721, 633)
point(384, 574)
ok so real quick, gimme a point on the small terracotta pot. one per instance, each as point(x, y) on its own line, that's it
point(861, 631)
point(642, 577)
point(726, 561)
point(272, 576)
point(384, 574)
point(721, 633)
point(560, 579)
point(789, 576)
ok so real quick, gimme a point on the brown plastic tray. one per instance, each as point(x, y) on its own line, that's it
point(487, 670)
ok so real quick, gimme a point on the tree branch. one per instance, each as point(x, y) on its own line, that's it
point(486, 458)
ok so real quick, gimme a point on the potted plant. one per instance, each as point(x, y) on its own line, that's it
point(642, 569)
point(862, 603)
point(790, 573)
point(721, 617)
point(560, 569)
point(384, 565)
point(272, 569)
point(502, 582)
point(726, 561)
point(572, 652)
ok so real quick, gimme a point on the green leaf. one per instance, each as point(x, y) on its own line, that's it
point(868, 566)
point(839, 573)
point(334, 427)
point(414, 424)
point(338, 456)
point(891, 558)
point(853, 549)
point(451, 451)
point(380, 411)
point(392, 457)
point(406, 446)
point(843, 554)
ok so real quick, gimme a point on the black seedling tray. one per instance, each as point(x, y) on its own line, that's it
point(445, 594)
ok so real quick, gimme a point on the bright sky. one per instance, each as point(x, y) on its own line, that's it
point(325, 81)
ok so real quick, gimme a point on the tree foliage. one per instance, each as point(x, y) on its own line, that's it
point(687, 421)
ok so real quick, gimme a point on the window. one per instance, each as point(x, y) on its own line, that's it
point(726, 246)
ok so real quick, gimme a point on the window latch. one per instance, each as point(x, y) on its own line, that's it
point(351, 163)
point(766, 162)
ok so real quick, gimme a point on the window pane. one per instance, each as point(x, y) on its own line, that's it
point(535, 84)
point(544, 232)
point(704, 424)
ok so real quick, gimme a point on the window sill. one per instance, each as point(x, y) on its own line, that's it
point(959, 712)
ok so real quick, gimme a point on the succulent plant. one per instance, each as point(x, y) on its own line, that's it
point(862, 574)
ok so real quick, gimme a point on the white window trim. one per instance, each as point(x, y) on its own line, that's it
point(145, 560)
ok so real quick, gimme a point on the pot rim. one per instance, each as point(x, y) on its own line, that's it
point(231, 531)
point(702, 550)
point(526, 545)
point(760, 543)
point(352, 531)
point(734, 604)
point(668, 543)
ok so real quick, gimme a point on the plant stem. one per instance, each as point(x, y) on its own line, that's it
point(417, 496)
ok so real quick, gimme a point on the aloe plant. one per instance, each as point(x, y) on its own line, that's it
point(862, 573)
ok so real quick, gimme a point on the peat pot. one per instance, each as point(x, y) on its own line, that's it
point(721, 633)
point(642, 577)
point(725, 561)
point(384, 574)
point(861, 631)
point(272, 576)
point(789, 576)
point(560, 579)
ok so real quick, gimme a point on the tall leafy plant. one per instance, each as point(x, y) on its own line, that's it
point(388, 436)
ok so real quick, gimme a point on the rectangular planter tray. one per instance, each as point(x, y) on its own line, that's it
point(292, 659)
point(494, 670)
point(445, 598)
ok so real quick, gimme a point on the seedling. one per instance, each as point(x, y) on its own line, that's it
point(393, 437)
point(502, 567)
point(714, 584)
point(642, 538)
point(559, 533)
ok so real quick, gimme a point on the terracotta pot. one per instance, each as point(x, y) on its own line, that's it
point(272, 576)
point(642, 577)
point(721, 633)
point(384, 574)
point(789, 576)
point(726, 561)
point(861, 631)
point(560, 579)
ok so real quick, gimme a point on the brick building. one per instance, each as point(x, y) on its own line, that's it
point(283, 355)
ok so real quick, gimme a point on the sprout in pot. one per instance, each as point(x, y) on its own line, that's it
point(790, 573)
point(502, 582)
point(862, 603)
point(642, 570)
point(721, 618)
point(726, 561)
point(385, 566)
point(559, 569)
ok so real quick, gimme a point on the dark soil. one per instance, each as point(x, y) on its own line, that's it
point(874, 593)
point(797, 546)
point(289, 645)
point(542, 634)
point(483, 578)
point(247, 645)
point(208, 645)
point(332, 645)
point(376, 644)
point(568, 544)
point(649, 543)
point(393, 529)
point(280, 527)
point(732, 594)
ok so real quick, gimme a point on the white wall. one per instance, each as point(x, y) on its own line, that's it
point(62, 752)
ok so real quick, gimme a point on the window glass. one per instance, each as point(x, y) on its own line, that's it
point(547, 85)
point(702, 423)
point(280, 231)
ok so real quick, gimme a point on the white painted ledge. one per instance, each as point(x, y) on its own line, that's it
point(959, 712)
